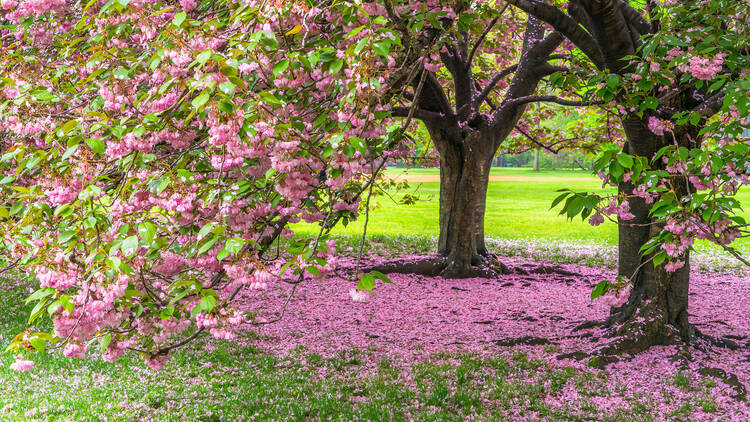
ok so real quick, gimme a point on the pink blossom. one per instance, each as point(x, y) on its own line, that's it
point(596, 219)
point(21, 364)
point(673, 266)
point(658, 126)
point(361, 296)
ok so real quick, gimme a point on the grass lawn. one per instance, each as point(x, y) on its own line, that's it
point(515, 209)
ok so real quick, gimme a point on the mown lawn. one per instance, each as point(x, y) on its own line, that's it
point(515, 209)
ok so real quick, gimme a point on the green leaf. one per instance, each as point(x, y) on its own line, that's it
point(367, 282)
point(179, 18)
point(147, 231)
point(559, 199)
point(280, 67)
point(121, 73)
point(129, 245)
point(37, 311)
point(380, 276)
point(205, 230)
point(208, 245)
point(659, 258)
point(104, 342)
point(232, 246)
point(626, 160)
point(66, 236)
point(227, 87)
point(382, 48)
point(336, 66)
point(96, 145)
point(200, 100)
point(40, 294)
point(600, 289)
point(39, 344)
point(68, 126)
point(650, 103)
point(203, 57)
point(226, 106)
point(206, 305)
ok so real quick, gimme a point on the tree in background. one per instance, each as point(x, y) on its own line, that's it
point(476, 83)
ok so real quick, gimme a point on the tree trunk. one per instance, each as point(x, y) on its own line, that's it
point(536, 160)
point(656, 311)
point(464, 176)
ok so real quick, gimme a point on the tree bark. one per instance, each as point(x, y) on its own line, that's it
point(464, 176)
point(656, 311)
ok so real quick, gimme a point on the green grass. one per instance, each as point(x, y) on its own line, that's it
point(515, 209)
point(502, 171)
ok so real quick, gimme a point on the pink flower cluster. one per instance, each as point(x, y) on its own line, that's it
point(622, 210)
point(658, 126)
point(704, 69)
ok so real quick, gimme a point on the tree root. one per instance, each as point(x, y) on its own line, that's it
point(592, 323)
point(546, 269)
point(489, 266)
point(438, 265)
point(728, 379)
point(525, 340)
point(429, 267)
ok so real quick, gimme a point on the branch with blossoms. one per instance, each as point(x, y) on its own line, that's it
point(144, 193)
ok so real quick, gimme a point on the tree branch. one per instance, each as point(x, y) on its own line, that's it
point(712, 105)
point(539, 143)
point(549, 99)
point(418, 113)
point(486, 91)
point(634, 17)
point(565, 25)
point(484, 35)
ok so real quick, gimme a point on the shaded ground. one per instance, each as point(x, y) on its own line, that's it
point(415, 316)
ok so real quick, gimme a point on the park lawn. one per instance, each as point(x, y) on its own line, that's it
point(515, 209)
point(500, 171)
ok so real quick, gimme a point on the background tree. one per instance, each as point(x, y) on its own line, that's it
point(471, 94)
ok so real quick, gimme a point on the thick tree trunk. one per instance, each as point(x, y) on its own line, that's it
point(464, 176)
point(656, 312)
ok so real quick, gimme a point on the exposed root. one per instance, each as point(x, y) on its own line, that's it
point(482, 266)
point(545, 269)
point(586, 325)
point(724, 343)
point(728, 379)
point(429, 267)
point(526, 340)
point(438, 265)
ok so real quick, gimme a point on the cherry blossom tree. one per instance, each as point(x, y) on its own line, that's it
point(678, 73)
point(471, 93)
point(154, 154)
